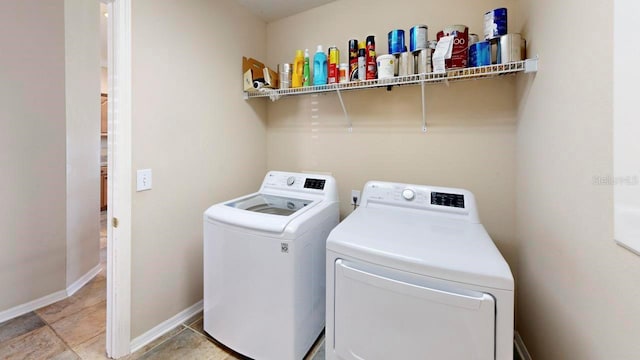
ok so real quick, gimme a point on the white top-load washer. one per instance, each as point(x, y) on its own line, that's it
point(264, 266)
point(413, 274)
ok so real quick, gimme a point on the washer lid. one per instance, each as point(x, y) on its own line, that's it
point(270, 204)
point(447, 249)
point(263, 212)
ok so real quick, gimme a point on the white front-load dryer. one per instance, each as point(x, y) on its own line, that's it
point(413, 274)
point(264, 266)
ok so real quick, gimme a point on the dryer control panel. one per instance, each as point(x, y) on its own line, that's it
point(447, 199)
point(449, 202)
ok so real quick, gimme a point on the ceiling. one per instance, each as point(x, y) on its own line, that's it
point(267, 10)
point(271, 10)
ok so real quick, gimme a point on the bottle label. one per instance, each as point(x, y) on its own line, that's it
point(372, 68)
point(334, 58)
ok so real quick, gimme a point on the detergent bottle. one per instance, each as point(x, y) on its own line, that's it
point(320, 67)
point(306, 73)
point(298, 64)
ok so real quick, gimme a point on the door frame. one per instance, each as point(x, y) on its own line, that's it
point(119, 197)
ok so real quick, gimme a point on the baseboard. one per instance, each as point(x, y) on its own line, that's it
point(78, 284)
point(36, 304)
point(32, 305)
point(521, 348)
point(164, 327)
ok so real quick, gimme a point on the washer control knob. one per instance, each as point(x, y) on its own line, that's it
point(291, 180)
point(408, 194)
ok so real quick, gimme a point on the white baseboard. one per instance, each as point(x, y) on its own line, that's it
point(78, 284)
point(164, 327)
point(521, 348)
point(36, 304)
point(32, 305)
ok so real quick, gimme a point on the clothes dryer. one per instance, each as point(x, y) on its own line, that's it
point(413, 274)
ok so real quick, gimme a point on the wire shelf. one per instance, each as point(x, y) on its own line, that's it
point(482, 72)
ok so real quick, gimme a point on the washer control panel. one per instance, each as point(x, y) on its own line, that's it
point(408, 194)
point(318, 184)
point(298, 182)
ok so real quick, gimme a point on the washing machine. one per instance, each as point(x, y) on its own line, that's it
point(413, 274)
point(264, 266)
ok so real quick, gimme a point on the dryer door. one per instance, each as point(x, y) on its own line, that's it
point(382, 313)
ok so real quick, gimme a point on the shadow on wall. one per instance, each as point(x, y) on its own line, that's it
point(477, 104)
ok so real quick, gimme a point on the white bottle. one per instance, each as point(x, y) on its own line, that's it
point(362, 62)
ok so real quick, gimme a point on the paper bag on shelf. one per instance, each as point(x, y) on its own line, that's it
point(270, 78)
point(253, 74)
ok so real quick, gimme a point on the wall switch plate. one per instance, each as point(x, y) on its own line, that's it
point(143, 180)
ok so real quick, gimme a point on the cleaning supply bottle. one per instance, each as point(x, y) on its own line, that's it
point(362, 61)
point(306, 73)
point(320, 67)
point(298, 64)
point(372, 66)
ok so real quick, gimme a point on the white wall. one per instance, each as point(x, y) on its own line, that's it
point(32, 151)
point(82, 82)
point(577, 290)
point(626, 168)
point(471, 126)
point(191, 126)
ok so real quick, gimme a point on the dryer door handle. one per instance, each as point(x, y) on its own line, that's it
point(472, 300)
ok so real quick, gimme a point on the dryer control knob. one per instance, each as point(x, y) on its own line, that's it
point(291, 180)
point(408, 194)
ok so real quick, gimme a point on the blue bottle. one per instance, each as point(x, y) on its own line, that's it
point(320, 67)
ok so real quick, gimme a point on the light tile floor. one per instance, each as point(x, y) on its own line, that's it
point(74, 328)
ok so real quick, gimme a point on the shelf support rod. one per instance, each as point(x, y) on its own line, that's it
point(344, 109)
point(424, 110)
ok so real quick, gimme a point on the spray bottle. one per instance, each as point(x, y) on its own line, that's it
point(372, 66)
point(320, 67)
point(362, 62)
point(306, 73)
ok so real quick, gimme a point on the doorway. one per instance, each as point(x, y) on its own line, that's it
point(104, 113)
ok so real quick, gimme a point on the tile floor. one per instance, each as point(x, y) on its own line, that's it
point(74, 328)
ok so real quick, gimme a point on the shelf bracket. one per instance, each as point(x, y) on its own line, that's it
point(344, 109)
point(424, 110)
point(531, 65)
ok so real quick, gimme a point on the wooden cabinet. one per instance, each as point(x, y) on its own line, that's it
point(103, 114)
point(103, 188)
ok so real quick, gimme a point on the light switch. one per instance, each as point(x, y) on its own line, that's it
point(143, 180)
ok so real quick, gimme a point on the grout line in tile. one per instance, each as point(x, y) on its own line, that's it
point(59, 336)
point(86, 341)
point(163, 341)
point(69, 297)
point(216, 343)
point(63, 340)
point(62, 318)
point(196, 331)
